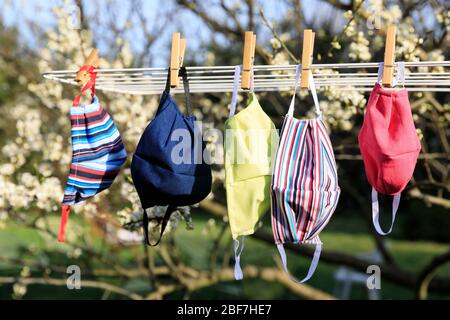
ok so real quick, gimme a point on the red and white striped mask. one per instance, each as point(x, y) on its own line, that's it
point(305, 188)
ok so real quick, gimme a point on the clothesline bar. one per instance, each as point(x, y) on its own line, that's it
point(267, 76)
point(439, 82)
point(147, 91)
point(266, 85)
point(261, 67)
point(273, 77)
point(256, 76)
point(281, 85)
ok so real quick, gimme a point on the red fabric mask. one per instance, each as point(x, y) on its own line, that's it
point(389, 145)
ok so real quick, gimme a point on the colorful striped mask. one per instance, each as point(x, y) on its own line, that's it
point(305, 188)
point(251, 140)
point(97, 152)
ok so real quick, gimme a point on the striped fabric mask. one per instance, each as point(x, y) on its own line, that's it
point(97, 152)
point(305, 188)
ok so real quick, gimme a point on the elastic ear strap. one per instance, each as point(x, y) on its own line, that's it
point(376, 212)
point(380, 71)
point(187, 99)
point(298, 70)
point(167, 88)
point(165, 220)
point(237, 73)
point(145, 227)
point(237, 258)
point(252, 81)
point(65, 212)
point(400, 77)
point(401, 73)
point(312, 267)
point(312, 86)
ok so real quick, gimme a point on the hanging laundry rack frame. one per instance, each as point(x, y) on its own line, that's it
point(419, 76)
point(142, 81)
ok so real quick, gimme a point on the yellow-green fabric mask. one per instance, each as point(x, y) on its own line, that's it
point(251, 141)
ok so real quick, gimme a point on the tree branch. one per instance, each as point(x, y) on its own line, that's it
point(275, 34)
point(233, 34)
point(428, 273)
point(63, 282)
point(416, 193)
point(266, 274)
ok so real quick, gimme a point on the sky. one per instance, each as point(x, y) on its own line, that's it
point(14, 12)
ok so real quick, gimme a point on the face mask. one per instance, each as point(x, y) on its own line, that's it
point(305, 187)
point(163, 174)
point(389, 144)
point(251, 140)
point(97, 152)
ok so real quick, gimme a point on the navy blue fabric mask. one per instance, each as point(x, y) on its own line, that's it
point(159, 176)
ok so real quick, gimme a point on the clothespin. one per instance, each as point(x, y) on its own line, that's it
point(83, 76)
point(307, 56)
point(389, 51)
point(176, 58)
point(248, 59)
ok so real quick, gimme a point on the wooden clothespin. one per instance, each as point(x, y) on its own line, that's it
point(248, 59)
point(176, 58)
point(92, 60)
point(389, 51)
point(307, 56)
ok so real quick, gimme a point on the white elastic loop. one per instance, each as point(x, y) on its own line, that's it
point(312, 267)
point(237, 73)
point(376, 212)
point(314, 95)
point(399, 79)
point(395, 81)
point(252, 81)
point(401, 73)
point(238, 275)
point(298, 70)
point(380, 71)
